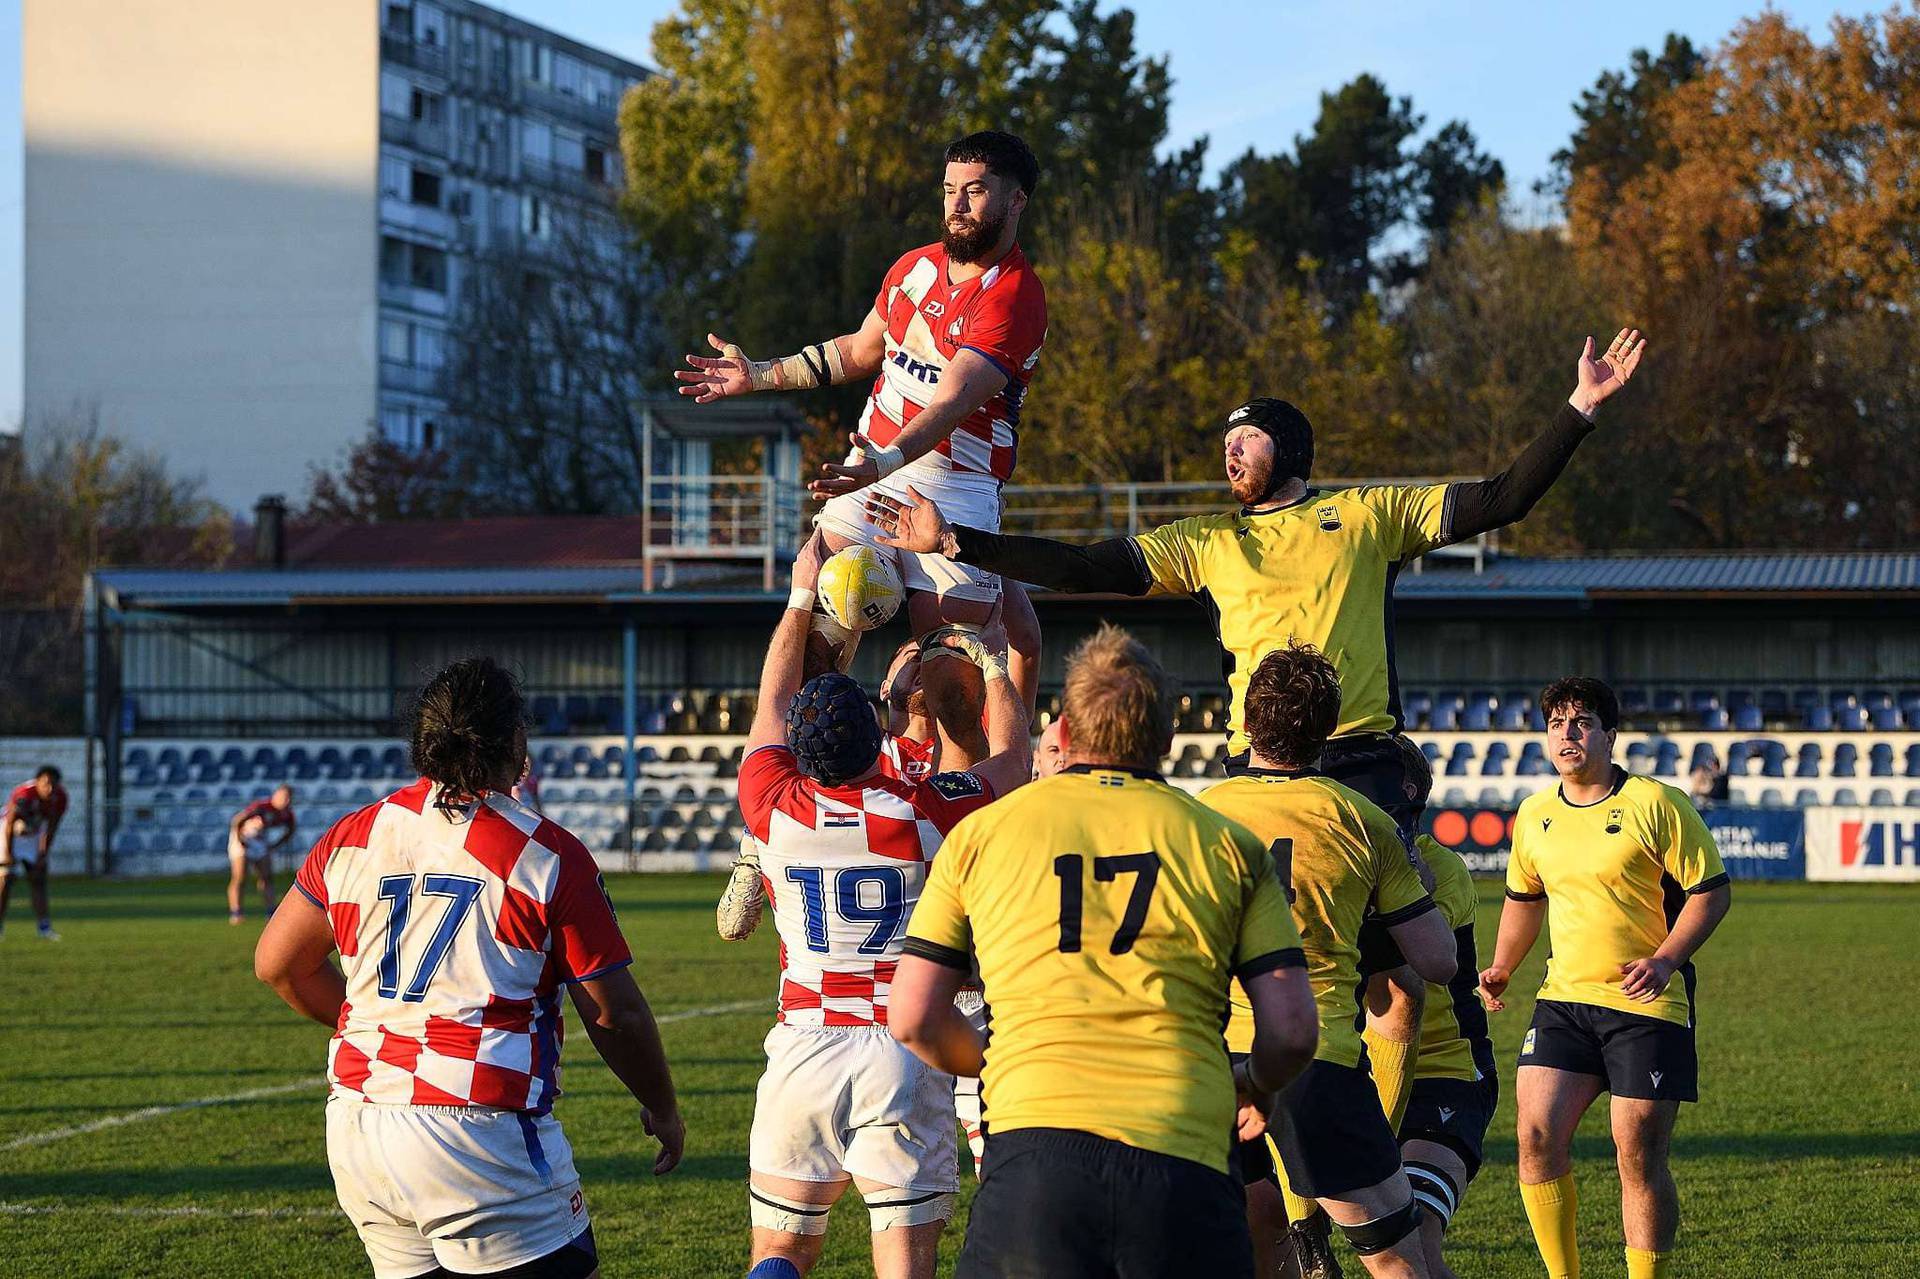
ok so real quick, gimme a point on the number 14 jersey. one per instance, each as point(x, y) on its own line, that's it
point(843, 867)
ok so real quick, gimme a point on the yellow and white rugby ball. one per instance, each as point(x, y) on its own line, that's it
point(860, 588)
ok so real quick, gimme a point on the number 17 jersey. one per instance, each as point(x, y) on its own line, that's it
point(843, 867)
point(1108, 911)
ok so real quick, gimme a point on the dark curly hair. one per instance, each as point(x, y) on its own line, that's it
point(1577, 693)
point(1004, 154)
point(1292, 705)
point(469, 727)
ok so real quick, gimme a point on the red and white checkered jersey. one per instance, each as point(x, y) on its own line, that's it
point(904, 758)
point(843, 867)
point(1001, 315)
point(26, 806)
point(271, 818)
point(457, 926)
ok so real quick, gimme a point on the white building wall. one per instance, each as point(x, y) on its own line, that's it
point(201, 245)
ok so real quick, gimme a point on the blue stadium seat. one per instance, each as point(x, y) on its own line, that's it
point(332, 764)
point(550, 755)
point(1809, 765)
point(1454, 798)
point(1512, 715)
point(161, 841)
point(1533, 761)
point(127, 843)
point(1415, 707)
point(1846, 758)
point(1432, 751)
point(1806, 797)
point(1492, 797)
point(145, 777)
point(1738, 697)
point(1913, 798)
point(1886, 719)
point(1700, 700)
point(1703, 754)
point(1773, 756)
point(1772, 798)
point(1446, 712)
point(548, 716)
point(648, 755)
point(230, 795)
point(608, 710)
point(1478, 717)
point(195, 842)
point(1880, 760)
point(1668, 701)
point(1738, 756)
point(1773, 703)
point(1845, 798)
point(1494, 764)
point(1913, 761)
point(1633, 701)
point(1805, 699)
point(1639, 757)
point(138, 757)
point(1714, 719)
point(1460, 764)
point(1667, 759)
point(579, 711)
point(1852, 719)
point(1747, 718)
point(1819, 719)
point(1881, 798)
point(1909, 702)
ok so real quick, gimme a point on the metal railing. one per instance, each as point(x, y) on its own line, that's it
point(709, 517)
point(431, 58)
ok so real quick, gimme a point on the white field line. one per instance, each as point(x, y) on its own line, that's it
point(275, 1090)
point(184, 1210)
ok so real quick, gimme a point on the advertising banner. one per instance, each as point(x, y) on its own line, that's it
point(1863, 844)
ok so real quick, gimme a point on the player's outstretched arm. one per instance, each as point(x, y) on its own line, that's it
point(829, 363)
point(1520, 923)
point(1645, 979)
point(783, 673)
point(970, 380)
point(921, 1016)
point(294, 957)
point(623, 1032)
point(1499, 500)
point(1114, 566)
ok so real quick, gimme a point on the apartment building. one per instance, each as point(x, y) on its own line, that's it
point(248, 222)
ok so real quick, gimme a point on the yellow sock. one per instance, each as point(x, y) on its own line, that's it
point(1552, 1208)
point(1298, 1209)
point(1392, 1073)
point(1648, 1265)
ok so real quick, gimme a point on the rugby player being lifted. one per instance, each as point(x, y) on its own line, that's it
point(1291, 562)
point(950, 343)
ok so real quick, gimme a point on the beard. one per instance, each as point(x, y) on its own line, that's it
point(1252, 485)
point(973, 243)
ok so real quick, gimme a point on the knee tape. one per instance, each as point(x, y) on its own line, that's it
point(1382, 1233)
point(771, 1212)
point(1435, 1191)
point(909, 1209)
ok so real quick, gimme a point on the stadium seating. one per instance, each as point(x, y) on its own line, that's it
point(177, 797)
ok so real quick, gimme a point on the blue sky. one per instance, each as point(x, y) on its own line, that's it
point(1248, 73)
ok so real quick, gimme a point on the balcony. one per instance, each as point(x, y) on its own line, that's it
point(546, 98)
point(573, 182)
point(420, 220)
point(421, 135)
point(397, 47)
point(408, 377)
point(412, 298)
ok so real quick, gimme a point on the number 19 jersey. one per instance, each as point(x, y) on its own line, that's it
point(456, 925)
point(1108, 911)
point(843, 867)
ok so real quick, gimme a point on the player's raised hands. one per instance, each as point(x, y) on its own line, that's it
point(670, 1130)
point(855, 473)
point(914, 524)
point(1493, 984)
point(806, 564)
point(1646, 979)
point(707, 379)
point(1600, 377)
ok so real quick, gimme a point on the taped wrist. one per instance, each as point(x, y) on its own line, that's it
point(816, 365)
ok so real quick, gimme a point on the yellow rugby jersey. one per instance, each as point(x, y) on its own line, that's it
point(1615, 873)
point(1341, 859)
point(1320, 571)
point(1108, 912)
point(1453, 1030)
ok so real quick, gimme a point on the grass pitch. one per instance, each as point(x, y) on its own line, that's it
point(1801, 1159)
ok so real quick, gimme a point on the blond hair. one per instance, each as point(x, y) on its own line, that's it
point(1119, 700)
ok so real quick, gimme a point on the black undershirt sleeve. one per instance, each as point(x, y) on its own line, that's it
point(1114, 566)
point(1499, 500)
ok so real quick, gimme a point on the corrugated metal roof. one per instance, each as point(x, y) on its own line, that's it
point(1792, 574)
point(1705, 574)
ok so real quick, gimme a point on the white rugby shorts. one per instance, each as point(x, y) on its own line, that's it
point(840, 1100)
point(468, 1188)
point(248, 850)
point(964, 497)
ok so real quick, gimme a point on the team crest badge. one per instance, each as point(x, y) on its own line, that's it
point(1329, 516)
point(1613, 820)
point(957, 785)
point(1526, 1047)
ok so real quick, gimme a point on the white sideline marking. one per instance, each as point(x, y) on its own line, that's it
point(275, 1090)
point(184, 1210)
